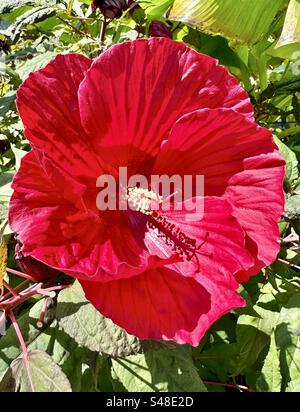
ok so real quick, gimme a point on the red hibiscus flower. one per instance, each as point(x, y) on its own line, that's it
point(156, 107)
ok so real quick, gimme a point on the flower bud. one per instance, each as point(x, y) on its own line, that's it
point(134, 6)
point(111, 9)
point(159, 29)
point(32, 267)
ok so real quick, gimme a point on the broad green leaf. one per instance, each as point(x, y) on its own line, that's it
point(32, 16)
point(287, 340)
point(253, 332)
point(36, 63)
point(6, 6)
point(289, 41)
point(164, 370)
point(80, 320)
point(38, 373)
point(220, 359)
point(246, 21)
point(155, 9)
point(74, 361)
point(270, 379)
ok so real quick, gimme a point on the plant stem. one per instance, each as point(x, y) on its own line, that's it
point(9, 288)
point(82, 18)
point(227, 385)
point(263, 72)
point(76, 29)
point(102, 33)
point(288, 132)
point(40, 322)
point(19, 334)
point(4, 297)
point(292, 265)
point(21, 274)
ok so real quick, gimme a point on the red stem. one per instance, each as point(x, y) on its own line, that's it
point(40, 322)
point(9, 288)
point(19, 333)
point(227, 385)
point(21, 274)
point(4, 297)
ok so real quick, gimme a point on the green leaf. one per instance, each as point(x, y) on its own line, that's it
point(32, 16)
point(99, 333)
point(270, 378)
point(289, 41)
point(246, 21)
point(287, 340)
point(36, 63)
point(164, 370)
point(291, 167)
point(38, 373)
point(155, 9)
point(253, 332)
point(220, 359)
point(286, 86)
point(292, 212)
point(6, 6)
point(6, 103)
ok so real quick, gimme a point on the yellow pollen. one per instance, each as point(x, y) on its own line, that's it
point(141, 199)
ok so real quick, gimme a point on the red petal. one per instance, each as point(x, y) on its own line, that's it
point(257, 197)
point(60, 235)
point(238, 160)
point(48, 105)
point(134, 92)
point(161, 304)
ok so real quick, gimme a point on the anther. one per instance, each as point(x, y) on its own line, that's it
point(183, 245)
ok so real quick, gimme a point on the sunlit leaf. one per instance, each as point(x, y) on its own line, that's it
point(287, 340)
point(291, 166)
point(32, 16)
point(34, 64)
point(155, 9)
point(99, 333)
point(246, 21)
point(292, 212)
point(6, 102)
point(253, 332)
point(164, 370)
point(6, 6)
point(289, 41)
point(37, 373)
point(270, 378)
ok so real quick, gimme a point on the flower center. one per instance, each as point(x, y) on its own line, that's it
point(142, 200)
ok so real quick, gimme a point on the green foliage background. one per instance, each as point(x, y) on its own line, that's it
point(254, 349)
